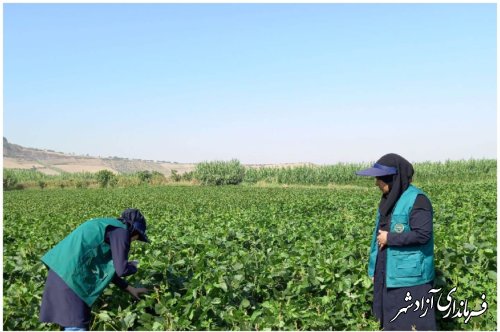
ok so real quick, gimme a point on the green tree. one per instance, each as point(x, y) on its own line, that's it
point(106, 178)
point(145, 176)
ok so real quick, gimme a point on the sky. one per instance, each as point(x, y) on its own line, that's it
point(262, 83)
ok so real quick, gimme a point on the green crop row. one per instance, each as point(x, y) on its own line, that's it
point(449, 171)
point(248, 258)
point(219, 172)
point(26, 179)
point(232, 172)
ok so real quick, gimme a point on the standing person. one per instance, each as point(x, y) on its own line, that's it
point(402, 249)
point(84, 263)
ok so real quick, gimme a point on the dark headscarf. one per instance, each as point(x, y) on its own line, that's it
point(398, 183)
point(135, 222)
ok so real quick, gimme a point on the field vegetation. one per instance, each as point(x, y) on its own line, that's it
point(233, 172)
point(252, 258)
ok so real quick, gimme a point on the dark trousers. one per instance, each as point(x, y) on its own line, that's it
point(387, 302)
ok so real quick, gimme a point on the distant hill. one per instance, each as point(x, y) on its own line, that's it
point(52, 162)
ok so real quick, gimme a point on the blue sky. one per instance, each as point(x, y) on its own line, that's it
point(263, 83)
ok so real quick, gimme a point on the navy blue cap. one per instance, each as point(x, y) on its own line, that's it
point(378, 170)
point(137, 222)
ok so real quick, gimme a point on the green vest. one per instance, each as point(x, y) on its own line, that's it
point(83, 260)
point(406, 265)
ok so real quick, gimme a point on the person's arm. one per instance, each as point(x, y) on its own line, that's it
point(120, 282)
point(420, 225)
point(119, 241)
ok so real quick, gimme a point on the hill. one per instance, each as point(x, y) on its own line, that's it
point(52, 162)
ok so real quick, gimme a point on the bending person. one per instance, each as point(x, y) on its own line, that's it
point(84, 263)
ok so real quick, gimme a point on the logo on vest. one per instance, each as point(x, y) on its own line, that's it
point(399, 228)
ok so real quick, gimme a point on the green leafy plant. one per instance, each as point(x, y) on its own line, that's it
point(10, 181)
point(145, 176)
point(249, 258)
point(106, 178)
point(174, 176)
point(220, 172)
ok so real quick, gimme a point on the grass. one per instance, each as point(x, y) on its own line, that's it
point(232, 172)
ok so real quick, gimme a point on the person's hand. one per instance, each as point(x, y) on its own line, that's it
point(382, 239)
point(136, 292)
point(373, 279)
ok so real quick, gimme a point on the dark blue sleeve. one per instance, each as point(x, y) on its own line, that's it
point(119, 241)
point(420, 225)
point(120, 282)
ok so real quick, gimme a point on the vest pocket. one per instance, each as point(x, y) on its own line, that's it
point(408, 264)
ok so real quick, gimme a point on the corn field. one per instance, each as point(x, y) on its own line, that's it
point(233, 172)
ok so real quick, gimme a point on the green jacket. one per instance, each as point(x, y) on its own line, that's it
point(83, 260)
point(406, 265)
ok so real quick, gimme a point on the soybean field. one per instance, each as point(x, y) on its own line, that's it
point(248, 257)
